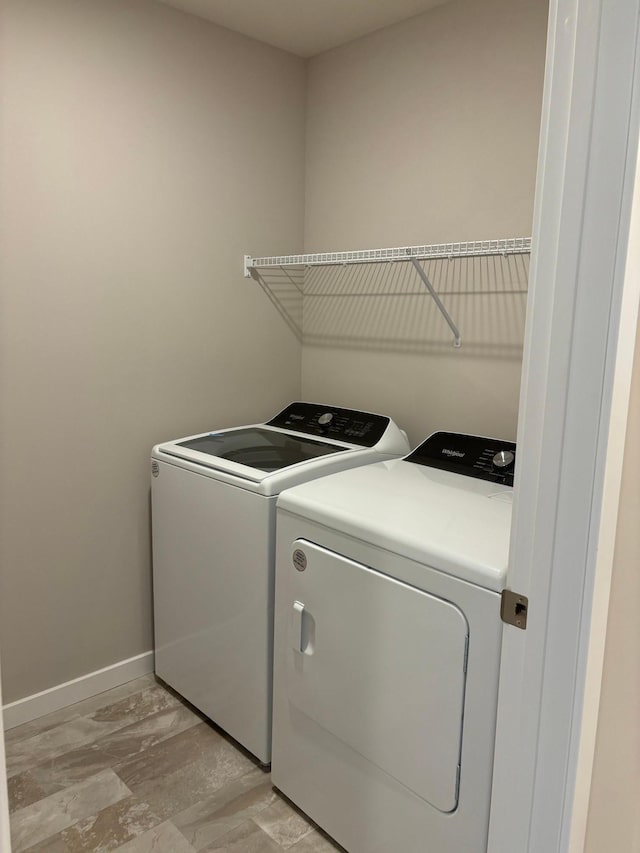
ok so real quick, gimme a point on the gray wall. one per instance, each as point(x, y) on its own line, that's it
point(143, 153)
point(424, 132)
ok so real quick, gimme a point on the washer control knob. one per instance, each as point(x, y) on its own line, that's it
point(325, 419)
point(503, 459)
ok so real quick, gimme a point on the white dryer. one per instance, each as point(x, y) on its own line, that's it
point(213, 521)
point(387, 646)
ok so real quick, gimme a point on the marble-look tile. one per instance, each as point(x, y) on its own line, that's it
point(79, 763)
point(44, 819)
point(227, 808)
point(24, 790)
point(283, 823)
point(74, 765)
point(49, 845)
point(246, 838)
point(184, 769)
point(111, 827)
point(174, 792)
point(54, 741)
point(68, 769)
point(55, 844)
point(147, 733)
point(200, 741)
point(49, 744)
point(79, 709)
point(138, 706)
point(164, 838)
point(167, 756)
point(39, 726)
point(316, 842)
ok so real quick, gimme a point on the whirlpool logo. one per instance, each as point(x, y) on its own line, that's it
point(457, 453)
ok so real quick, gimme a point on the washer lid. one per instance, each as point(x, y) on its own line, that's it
point(454, 523)
point(256, 447)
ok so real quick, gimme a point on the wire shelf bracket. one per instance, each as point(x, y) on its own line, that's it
point(457, 340)
point(412, 254)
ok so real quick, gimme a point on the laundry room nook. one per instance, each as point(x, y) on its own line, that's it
point(304, 304)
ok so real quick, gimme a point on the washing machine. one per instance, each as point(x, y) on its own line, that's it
point(387, 646)
point(213, 522)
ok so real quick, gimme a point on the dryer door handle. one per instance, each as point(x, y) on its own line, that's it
point(297, 628)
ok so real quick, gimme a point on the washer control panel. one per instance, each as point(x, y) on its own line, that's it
point(347, 425)
point(472, 455)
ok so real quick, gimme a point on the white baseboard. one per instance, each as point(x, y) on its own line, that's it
point(32, 707)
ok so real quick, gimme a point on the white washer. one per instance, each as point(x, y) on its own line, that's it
point(213, 521)
point(387, 646)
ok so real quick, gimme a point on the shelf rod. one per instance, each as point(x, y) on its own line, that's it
point(457, 341)
point(469, 249)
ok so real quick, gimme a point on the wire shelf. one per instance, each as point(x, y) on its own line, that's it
point(411, 254)
point(469, 249)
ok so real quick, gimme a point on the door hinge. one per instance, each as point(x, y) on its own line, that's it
point(514, 608)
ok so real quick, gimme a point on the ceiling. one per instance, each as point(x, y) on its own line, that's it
point(304, 27)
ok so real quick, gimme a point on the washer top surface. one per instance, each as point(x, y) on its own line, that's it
point(302, 441)
point(260, 448)
point(417, 507)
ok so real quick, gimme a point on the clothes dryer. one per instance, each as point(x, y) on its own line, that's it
point(387, 646)
point(213, 522)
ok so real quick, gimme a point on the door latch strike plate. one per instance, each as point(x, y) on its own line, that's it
point(514, 608)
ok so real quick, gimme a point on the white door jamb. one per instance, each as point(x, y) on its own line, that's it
point(571, 428)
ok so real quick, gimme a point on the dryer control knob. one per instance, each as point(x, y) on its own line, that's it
point(503, 459)
point(325, 419)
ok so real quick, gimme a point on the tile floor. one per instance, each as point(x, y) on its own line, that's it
point(139, 771)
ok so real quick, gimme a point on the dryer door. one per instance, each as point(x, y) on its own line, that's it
point(381, 666)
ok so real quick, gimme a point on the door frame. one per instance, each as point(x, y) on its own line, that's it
point(581, 325)
point(5, 840)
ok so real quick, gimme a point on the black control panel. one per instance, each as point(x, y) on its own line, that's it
point(347, 425)
point(483, 458)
